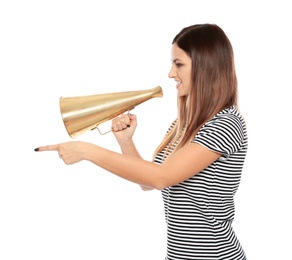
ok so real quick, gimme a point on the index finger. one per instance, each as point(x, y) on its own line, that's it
point(47, 148)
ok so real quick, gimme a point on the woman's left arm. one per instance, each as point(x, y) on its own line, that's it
point(182, 165)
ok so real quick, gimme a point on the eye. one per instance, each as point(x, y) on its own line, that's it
point(177, 64)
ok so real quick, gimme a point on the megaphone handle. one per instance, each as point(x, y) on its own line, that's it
point(111, 129)
point(100, 131)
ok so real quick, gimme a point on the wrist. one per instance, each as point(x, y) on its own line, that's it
point(128, 141)
point(89, 151)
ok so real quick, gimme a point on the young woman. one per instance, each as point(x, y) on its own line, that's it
point(198, 164)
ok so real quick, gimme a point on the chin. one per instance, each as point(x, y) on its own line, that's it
point(182, 94)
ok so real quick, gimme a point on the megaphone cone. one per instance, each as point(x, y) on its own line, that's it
point(84, 113)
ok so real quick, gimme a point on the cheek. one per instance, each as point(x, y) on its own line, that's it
point(190, 82)
point(188, 88)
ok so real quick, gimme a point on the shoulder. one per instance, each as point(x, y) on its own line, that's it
point(224, 133)
point(229, 119)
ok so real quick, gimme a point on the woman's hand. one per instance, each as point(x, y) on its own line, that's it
point(69, 152)
point(124, 126)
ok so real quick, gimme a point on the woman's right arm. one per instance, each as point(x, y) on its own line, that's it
point(123, 128)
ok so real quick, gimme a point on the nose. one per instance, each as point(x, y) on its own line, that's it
point(171, 73)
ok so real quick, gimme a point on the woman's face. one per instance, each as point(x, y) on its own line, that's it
point(180, 71)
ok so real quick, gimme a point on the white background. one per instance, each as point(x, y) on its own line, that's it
point(59, 48)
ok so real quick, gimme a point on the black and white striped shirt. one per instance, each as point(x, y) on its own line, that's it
point(199, 211)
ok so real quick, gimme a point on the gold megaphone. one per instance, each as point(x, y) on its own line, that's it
point(84, 113)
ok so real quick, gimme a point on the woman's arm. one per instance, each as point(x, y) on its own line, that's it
point(123, 128)
point(182, 165)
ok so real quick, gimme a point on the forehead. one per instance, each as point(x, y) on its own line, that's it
point(178, 53)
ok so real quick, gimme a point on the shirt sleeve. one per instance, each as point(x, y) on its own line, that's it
point(223, 134)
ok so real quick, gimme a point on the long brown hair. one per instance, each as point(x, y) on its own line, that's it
point(214, 82)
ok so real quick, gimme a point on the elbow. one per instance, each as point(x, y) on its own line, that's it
point(152, 187)
point(160, 185)
point(161, 179)
point(146, 188)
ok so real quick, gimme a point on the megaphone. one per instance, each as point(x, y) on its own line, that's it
point(84, 113)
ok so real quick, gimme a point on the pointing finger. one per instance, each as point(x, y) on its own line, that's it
point(47, 148)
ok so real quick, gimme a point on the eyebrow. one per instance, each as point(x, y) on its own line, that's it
point(175, 60)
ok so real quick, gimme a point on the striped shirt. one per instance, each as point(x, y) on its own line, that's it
point(199, 211)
